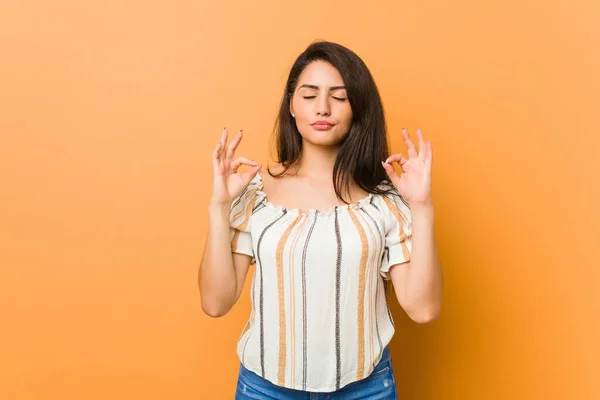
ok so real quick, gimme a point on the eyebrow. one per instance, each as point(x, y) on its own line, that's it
point(316, 87)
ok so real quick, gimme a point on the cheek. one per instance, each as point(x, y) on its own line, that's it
point(302, 113)
point(346, 116)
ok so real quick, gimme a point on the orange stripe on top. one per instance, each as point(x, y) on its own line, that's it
point(281, 296)
point(372, 267)
point(361, 295)
point(242, 226)
point(250, 193)
point(401, 218)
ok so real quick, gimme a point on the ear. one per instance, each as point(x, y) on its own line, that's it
point(292, 109)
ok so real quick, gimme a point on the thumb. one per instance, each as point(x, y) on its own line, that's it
point(250, 174)
point(389, 170)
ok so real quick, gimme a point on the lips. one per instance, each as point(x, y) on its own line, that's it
point(322, 125)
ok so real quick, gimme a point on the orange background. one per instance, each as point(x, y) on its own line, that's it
point(108, 114)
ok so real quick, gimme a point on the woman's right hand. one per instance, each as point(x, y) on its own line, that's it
point(228, 184)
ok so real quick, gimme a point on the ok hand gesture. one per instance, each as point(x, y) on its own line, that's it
point(227, 182)
point(414, 183)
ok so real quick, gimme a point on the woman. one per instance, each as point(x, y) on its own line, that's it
point(328, 227)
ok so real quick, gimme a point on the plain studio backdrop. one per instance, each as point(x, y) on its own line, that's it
point(109, 111)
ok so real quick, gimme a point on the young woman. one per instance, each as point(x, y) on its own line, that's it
point(328, 227)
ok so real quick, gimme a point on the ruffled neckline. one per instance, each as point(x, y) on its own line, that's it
point(342, 207)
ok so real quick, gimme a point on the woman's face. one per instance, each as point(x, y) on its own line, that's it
point(320, 105)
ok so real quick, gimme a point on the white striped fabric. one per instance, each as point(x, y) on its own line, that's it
point(320, 318)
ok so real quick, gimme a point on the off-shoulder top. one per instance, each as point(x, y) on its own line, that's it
point(320, 318)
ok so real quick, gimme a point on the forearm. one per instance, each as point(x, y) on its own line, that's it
point(217, 280)
point(423, 290)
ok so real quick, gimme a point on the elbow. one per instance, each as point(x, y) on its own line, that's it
point(213, 305)
point(425, 318)
point(425, 315)
point(214, 310)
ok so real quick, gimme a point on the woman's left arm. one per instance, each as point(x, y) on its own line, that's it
point(418, 282)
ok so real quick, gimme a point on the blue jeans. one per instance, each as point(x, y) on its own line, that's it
point(379, 385)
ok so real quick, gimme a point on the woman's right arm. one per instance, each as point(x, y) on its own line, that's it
point(222, 273)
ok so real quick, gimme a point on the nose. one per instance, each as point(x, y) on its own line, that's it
point(323, 106)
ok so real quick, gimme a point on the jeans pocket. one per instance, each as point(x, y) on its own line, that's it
point(380, 370)
point(384, 364)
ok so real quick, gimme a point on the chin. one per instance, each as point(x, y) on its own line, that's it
point(324, 138)
point(329, 142)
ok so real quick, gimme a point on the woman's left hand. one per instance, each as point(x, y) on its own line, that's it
point(414, 183)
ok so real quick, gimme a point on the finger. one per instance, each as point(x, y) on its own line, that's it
point(223, 140)
point(422, 146)
point(399, 158)
point(429, 152)
point(224, 136)
point(412, 152)
point(234, 144)
point(389, 170)
point(250, 174)
point(216, 154)
point(238, 162)
point(429, 159)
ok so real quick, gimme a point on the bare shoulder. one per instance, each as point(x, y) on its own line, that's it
point(282, 187)
point(274, 174)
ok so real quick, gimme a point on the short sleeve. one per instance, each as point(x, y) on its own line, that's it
point(398, 233)
point(240, 218)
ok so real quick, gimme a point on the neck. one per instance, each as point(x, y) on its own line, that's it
point(316, 161)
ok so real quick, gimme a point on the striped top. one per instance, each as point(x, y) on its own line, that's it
point(320, 318)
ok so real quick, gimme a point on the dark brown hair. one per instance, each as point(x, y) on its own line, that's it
point(365, 146)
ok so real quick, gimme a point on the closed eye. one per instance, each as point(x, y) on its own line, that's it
point(312, 97)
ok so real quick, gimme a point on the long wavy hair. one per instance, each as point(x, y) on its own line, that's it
point(364, 147)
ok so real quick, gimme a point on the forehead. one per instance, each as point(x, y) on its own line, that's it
point(320, 73)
